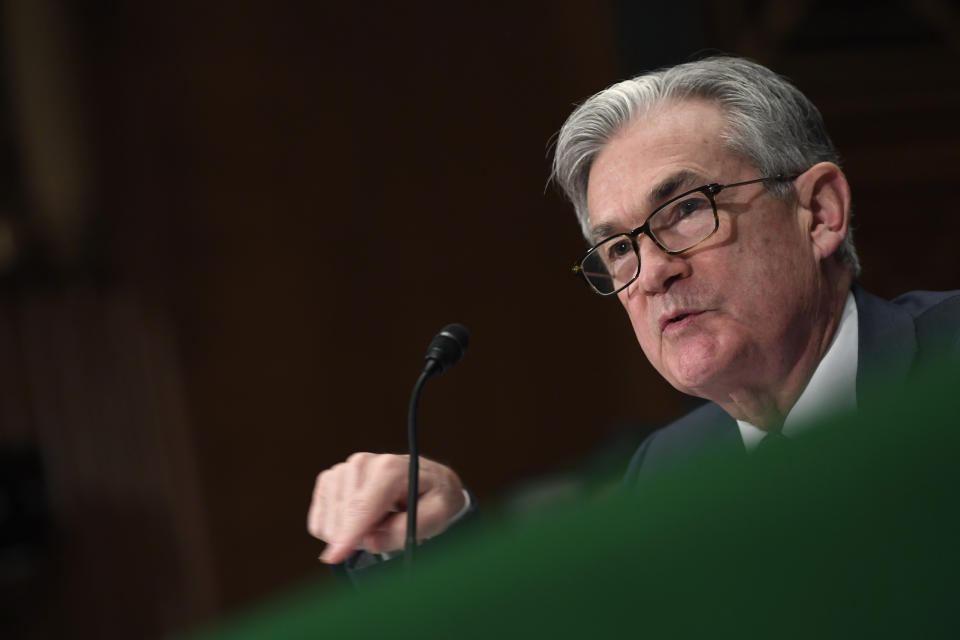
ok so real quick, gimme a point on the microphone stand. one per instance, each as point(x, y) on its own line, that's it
point(414, 469)
point(445, 350)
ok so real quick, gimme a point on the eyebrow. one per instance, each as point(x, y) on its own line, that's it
point(681, 180)
point(660, 193)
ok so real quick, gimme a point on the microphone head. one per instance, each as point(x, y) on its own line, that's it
point(447, 347)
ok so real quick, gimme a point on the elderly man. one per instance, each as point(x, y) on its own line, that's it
point(719, 217)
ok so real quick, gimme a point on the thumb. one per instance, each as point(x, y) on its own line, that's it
point(390, 535)
point(434, 512)
point(336, 552)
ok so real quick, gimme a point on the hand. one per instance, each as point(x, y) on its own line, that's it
point(361, 504)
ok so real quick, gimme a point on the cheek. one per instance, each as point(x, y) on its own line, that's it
point(631, 307)
point(636, 312)
point(772, 291)
point(784, 273)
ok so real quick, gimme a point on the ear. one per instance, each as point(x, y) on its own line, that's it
point(823, 192)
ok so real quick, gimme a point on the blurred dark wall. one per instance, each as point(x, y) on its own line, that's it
point(294, 197)
point(310, 193)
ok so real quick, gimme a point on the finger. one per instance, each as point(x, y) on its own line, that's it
point(384, 485)
point(331, 491)
point(341, 483)
point(328, 491)
point(390, 535)
point(345, 483)
point(336, 553)
point(353, 474)
point(317, 509)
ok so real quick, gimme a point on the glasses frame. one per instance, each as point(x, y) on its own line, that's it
point(709, 190)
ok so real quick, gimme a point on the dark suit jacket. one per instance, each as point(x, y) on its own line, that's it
point(895, 338)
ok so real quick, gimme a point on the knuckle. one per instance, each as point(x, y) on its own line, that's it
point(389, 463)
point(323, 480)
point(359, 457)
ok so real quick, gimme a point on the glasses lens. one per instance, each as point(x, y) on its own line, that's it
point(611, 265)
point(684, 222)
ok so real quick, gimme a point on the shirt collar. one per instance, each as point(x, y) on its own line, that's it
point(832, 387)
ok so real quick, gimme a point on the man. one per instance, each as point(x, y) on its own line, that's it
point(720, 219)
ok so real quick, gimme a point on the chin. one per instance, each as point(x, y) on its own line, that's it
point(694, 371)
point(693, 385)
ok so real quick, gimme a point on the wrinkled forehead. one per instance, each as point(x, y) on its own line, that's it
point(658, 155)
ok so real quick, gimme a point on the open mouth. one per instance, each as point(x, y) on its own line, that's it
point(679, 320)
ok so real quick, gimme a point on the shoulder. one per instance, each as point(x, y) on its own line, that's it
point(927, 304)
point(932, 316)
point(936, 315)
point(900, 335)
point(915, 305)
point(706, 429)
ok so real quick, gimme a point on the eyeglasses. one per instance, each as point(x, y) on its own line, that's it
point(676, 226)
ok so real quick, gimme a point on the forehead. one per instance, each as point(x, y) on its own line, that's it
point(677, 146)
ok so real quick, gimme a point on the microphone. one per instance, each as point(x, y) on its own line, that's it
point(445, 350)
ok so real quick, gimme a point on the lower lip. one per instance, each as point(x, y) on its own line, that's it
point(679, 325)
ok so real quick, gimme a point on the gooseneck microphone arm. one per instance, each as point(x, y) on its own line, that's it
point(413, 474)
point(445, 350)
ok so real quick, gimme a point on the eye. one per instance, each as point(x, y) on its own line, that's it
point(680, 211)
point(689, 206)
point(618, 249)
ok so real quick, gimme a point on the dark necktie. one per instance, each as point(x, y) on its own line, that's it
point(774, 443)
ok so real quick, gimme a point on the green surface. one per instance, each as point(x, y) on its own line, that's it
point(852, 532)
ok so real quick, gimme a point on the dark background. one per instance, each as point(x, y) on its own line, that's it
point(229, 230)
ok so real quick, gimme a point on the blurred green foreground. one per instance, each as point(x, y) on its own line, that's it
point(851, 532)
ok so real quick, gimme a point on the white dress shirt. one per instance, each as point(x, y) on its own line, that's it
point(832, 388)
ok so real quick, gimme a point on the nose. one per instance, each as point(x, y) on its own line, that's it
point(658, 269)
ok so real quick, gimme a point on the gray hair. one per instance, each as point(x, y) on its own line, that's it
point(770, 123)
